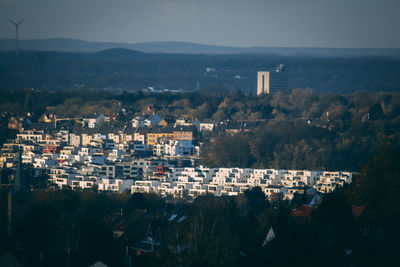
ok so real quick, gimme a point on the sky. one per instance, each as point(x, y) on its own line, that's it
point(276, 23)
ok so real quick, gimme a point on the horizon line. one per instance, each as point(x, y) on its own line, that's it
point(202, 44)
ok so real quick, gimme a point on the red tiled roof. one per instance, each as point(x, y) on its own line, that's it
point(303, 211)
point(357, 210)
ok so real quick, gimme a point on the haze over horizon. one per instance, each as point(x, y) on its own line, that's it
point(274, 23)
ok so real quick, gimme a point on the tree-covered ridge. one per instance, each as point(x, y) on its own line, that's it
point(120, 68)
point(297, 130)
point(213, 103)
point(298, 145)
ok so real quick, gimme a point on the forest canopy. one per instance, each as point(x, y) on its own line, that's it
point(296, 130)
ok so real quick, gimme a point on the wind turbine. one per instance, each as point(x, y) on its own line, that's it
point(16, 24)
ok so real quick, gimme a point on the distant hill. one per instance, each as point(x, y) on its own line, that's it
point(73, 45)
point(119, 54)
point(127, 69)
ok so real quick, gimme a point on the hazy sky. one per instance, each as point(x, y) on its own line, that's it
point(316, 23)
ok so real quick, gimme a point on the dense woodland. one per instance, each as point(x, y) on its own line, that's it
point(296, 130)
point(218, 231)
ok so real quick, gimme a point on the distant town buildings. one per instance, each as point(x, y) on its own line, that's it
point(149, 154)
point(270, 82)
point(151, 159)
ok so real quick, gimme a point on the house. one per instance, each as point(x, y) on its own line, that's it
point(119, 225)
point(179, 148)
point(157, 133)
point(303, 213)
point(140, 135)
point(184, 133)
point(147, 121)
point(114, 185)
point(97, 158)
point(75, 140)
point(138, 147)
point(207, 125)
point(167, 120)
point(15, 123)
point(138, 122)
point(115, 137)
point(111, 117)
point(93, 121)
point(274, 190)
point(241, 126)
point(183, 122)
point(163, 123)
point(155, 120)
point(295, 190)
point(149, 244)
point(30, 135)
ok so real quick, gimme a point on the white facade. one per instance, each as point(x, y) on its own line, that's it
point(207, 126)
point(111, 168)
point(263, 82)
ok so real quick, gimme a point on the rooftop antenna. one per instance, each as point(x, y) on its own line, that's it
point(16, 24)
